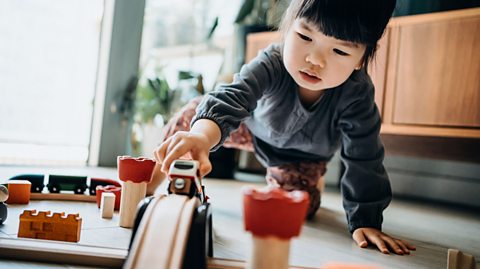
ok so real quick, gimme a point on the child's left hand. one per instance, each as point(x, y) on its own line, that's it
point(364, 236)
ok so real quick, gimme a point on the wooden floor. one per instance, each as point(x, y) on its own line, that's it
point(433, 228)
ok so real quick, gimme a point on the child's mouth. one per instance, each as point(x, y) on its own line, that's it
point(309, 78)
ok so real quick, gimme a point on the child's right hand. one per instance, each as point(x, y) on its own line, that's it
point(195, 145)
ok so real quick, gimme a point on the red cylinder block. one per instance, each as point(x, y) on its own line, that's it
point(136, 170)
point(274, 212)
point(109, 188)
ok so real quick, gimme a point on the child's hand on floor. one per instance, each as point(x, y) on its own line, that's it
point(183, 144)
point(364, 236)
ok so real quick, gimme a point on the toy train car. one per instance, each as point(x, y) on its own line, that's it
point(35, 179)
point(58, 183)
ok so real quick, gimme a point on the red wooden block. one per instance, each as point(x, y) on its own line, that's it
point(274, 212)
point(18, 192)
point(136, 170)
point(109, 188)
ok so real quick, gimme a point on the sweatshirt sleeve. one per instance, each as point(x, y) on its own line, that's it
point(230, 104)
point(365, 185)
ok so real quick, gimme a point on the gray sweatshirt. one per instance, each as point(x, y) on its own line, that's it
point(265, 97)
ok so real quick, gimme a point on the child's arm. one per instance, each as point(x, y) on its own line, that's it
point(203, 136)
point(365, 185)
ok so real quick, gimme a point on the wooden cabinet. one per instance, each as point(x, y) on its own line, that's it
point(432, 76)
point(426, 73)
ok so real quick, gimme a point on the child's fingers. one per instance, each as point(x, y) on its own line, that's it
point(375, 239)
point(403, 246)
point(159, 152)
point(176, 152)
point(205, 165)
point(408, 245)
point(393, 244)
point(359, 237)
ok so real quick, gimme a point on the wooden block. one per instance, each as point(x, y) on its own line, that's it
point(107, 205)
point(132, 194)
point(271, 228)
point(44, 225)
point(117, 191)
point(135, 174)
point(459, 260)
point(18, 192)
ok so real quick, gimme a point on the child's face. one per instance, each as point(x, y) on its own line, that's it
point(316, 61)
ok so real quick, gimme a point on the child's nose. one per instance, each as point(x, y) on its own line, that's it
point(316, 59)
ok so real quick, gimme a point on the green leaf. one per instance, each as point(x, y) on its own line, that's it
point(245, 10)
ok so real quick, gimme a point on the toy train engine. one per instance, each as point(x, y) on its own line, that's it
point(36, 180)
point(57, 183)
point(185, 179)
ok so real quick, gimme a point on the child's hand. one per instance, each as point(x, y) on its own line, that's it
point(364, 236)
point(184, 143)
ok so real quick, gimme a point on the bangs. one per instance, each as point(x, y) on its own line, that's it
point(336, 18)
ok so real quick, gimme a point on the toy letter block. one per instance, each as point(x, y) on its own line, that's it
point(19, 192)
point(117, 191)
point(273, 216)
point(44, 225)
point(135, 174)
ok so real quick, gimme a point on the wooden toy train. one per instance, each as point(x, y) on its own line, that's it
point(57, 183)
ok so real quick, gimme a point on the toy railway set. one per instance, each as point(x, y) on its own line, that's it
point(168, 231)
point(58, 183)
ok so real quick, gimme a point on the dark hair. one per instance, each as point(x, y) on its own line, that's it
point(358, 21)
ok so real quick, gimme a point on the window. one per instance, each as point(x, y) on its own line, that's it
point(48, 70)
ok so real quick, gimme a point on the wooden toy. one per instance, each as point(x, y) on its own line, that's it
point(185, 179)
point(95, 182)
point(35, 179)
point(3, 207)
point(459, 260)
point(19, 191)
point(135, 174)
point(63, 197)
point(57, 183)
point(174, 231)
point(273, 216)
point(107, 205)
point(44, 225)
point(117, 191)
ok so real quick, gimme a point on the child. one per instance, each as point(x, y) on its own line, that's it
point(297, 102)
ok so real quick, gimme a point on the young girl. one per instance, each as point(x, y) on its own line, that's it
point(296, 103)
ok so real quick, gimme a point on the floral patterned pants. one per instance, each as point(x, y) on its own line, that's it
point(292, 176)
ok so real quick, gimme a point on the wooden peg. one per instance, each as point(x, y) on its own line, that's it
point(273, 216)
point(135, 174)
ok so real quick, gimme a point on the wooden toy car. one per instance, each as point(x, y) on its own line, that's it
point(185, 179)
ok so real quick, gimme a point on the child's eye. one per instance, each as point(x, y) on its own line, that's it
point(339, 52)
point(304, 37)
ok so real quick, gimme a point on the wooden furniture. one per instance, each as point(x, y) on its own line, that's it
point(426, 73)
